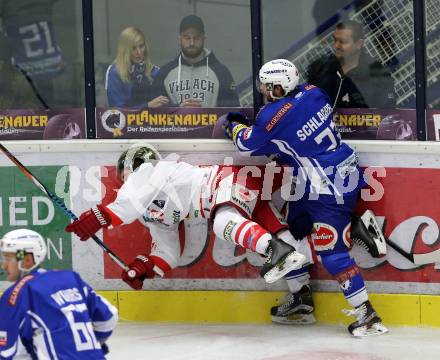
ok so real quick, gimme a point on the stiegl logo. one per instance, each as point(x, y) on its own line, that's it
point(324, 237)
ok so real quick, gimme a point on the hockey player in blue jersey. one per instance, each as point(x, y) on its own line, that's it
point(48, 314)
point(296, 126)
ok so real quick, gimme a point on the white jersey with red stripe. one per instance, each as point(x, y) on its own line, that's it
point(163, 194)
point(170, 191)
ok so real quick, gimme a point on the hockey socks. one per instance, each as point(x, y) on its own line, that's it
point(296, 279)
point(347, 273)
point(231, 226)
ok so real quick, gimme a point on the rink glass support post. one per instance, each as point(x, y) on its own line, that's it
point(420, 67)
point(89, 67)
point(257, 50)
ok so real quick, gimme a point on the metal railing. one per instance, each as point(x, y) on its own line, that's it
point(389, 38)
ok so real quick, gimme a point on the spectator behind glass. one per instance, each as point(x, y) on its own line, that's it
point(350, 76)
point(128, 80)
point(16, 92)
point(195, 78)
point(29, 54)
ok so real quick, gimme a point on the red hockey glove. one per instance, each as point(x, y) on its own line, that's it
point(138, 270)
point(90, 222)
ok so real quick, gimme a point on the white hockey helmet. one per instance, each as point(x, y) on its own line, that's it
point(279, 72)
point(24, 241)
point(134, 157)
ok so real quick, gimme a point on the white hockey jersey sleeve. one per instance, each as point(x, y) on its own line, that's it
point(166, 246)
point(141, 188)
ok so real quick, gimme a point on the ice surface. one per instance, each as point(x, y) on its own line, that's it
point(132, 341)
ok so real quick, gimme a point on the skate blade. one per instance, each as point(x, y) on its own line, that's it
point(292, 261)
point(294, 319)
point(373, 330)
point(369, 219)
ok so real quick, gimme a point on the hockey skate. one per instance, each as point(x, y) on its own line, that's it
point(281, 259)
point(368, 322)
point(296, 310)
point(365, 232)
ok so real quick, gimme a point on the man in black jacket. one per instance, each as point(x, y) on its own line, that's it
point(196, 78)
point(351, 77)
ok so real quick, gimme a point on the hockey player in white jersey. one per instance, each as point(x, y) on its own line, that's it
point(164, 192)
point(48, 314)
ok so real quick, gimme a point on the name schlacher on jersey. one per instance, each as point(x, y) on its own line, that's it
point(313, 123)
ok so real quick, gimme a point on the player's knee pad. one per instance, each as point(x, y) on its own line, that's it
point(225, 220)
point(337, 262)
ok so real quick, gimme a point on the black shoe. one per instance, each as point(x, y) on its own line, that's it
point(368, 322)
point(297, 309)
point(281, 259)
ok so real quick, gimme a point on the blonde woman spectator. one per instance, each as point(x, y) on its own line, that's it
point(128, 80)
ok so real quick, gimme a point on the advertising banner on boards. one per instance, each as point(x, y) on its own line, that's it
point(189, 123)
point(53, 124)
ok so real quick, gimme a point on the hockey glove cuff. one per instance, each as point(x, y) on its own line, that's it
point(90, 222)
point(138, 270)
point(233, 124)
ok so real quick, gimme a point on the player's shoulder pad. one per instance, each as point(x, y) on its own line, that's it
point(309, 87)
point(311, 92)
point(17, 289)
point(272, 113)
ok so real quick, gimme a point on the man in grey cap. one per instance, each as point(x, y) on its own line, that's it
point(195, 78)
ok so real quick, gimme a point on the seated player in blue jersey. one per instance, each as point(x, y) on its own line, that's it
point(296, 125)
point(48, 314)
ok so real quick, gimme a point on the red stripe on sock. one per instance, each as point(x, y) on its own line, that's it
point(256, 235)
point(239, 230)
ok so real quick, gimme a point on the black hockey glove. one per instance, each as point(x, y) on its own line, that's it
point(238, 118)
point(234, 119)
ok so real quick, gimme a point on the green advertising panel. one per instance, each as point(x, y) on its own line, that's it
point(24, 205)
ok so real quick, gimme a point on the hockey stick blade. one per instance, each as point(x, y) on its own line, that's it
point(60, 204)
point(418, 259)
